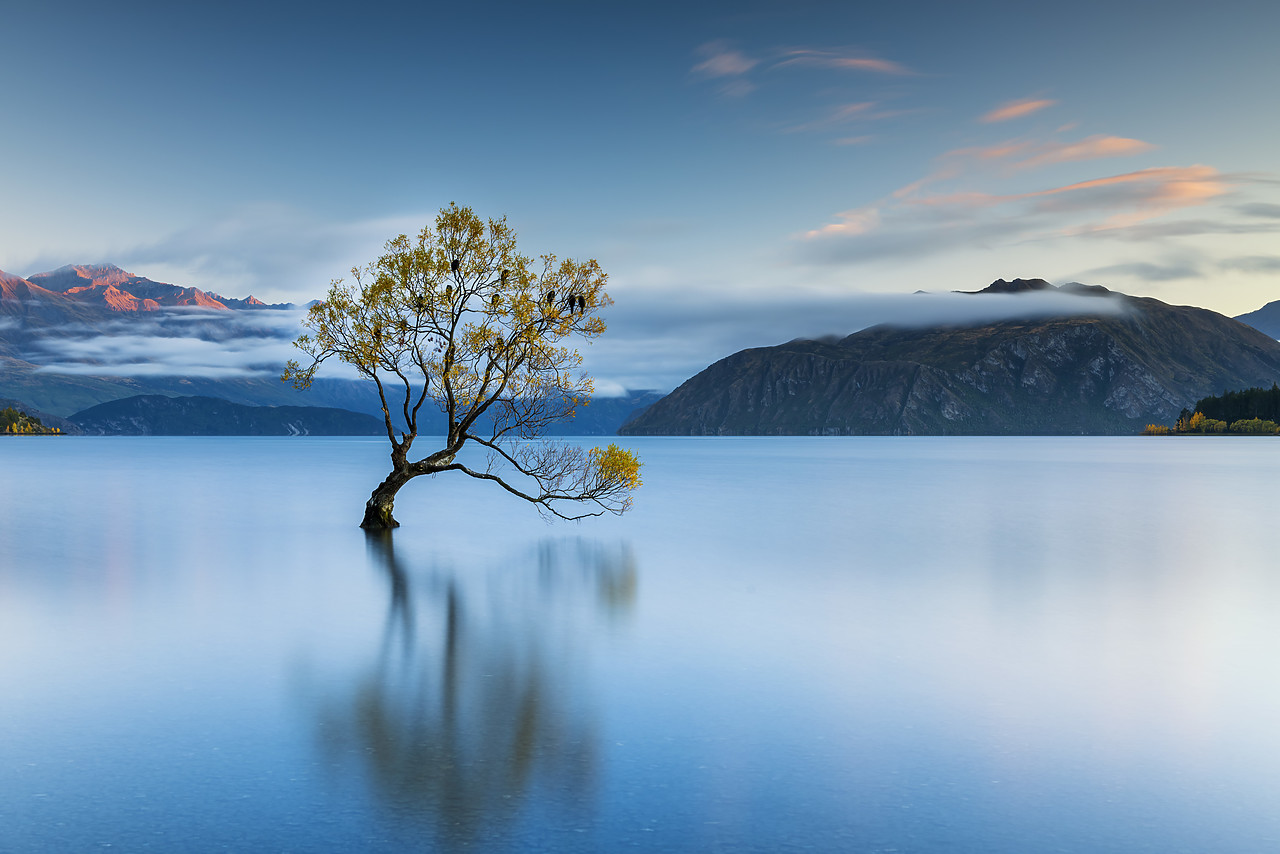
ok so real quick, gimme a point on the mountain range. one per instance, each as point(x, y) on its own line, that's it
point(59, 295)
point(159, 415)
point(1131, 362)
point(84, 335)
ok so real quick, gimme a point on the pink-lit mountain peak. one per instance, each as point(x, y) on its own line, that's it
point(81, 275)
point(120, 290)
point(99, 286)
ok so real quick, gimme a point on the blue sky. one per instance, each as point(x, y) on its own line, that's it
point(746, 172)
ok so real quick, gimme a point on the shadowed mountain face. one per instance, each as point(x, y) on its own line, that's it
point(1266, 319)
point(157, 415)
point(1106, 374)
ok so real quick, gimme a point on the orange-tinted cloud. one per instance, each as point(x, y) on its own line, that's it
point(831, 59)
point(1176, 186)
point(907, 222)
point(1016, 110)
point(857, 221)
point(1029, 154)
point(1091, 148)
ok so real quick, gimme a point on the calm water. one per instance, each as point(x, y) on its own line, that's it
point(852, 644)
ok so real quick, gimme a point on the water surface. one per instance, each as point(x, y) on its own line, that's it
point(859, 644)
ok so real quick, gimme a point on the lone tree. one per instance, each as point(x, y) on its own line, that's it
point(457, 317)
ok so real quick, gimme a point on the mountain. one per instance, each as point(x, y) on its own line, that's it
point(1265, 319)
point(83, 335)
point(118, 290)
point(157, 415)
point(1107, 372)
point(44, 418)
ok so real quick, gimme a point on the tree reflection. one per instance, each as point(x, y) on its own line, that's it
point(475, 702)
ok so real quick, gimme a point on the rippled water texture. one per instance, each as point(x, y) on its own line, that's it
point(844, 644)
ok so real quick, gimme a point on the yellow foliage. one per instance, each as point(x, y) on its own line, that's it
point(457, 319)
point(616, 466)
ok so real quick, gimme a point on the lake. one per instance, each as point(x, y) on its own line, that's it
point(791, 644)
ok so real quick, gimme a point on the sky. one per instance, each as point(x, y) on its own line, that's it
point(747, 173)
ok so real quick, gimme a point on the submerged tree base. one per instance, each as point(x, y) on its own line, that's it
point(377, 510)
point(378, 519)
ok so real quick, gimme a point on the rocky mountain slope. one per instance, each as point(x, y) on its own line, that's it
point(109, 287)
point(1104, 373)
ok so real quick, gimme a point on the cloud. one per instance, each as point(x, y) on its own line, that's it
point(1252, 264)
point(843, 61)
point(1147, 193)
point(911, 223)
point(173, 342)
point(850, 222)
point(1018, 155)
point(1260, 209)
point(1146, 271)
point(275, 252)
point(837, 116)
point(1016, 110)
point(1180, 228)
point(1090, 148)
point(724, 63)
point(671, 334)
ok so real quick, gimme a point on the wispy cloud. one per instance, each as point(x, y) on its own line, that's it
point(1090, 148)
point(1156, 231)
point(1018, 155)
point(1134, 196)
point(847, 61)
point(1262, 264)
point(730, 68)
point(723, 62)
point(275, 252)
point(837, 116)
point(1260, 209)
point(912, 223)
point(1146, 271)
point(1016, 110)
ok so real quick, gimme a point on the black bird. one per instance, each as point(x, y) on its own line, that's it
point(551, 298)
point(582, 304)
point(454, 265)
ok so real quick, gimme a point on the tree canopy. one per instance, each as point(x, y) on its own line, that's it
point(458, 319)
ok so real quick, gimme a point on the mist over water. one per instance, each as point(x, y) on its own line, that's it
point(872, 644)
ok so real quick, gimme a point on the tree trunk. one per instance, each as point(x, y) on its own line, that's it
point(377, 510)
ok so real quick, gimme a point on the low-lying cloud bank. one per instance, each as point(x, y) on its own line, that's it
point(662, 339)
point(173, 342)
point(656, 339)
